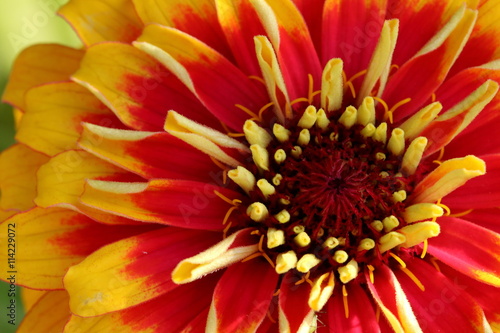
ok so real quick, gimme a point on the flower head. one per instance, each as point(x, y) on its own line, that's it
point(260, 166)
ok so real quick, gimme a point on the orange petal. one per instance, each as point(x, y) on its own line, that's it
point(423, 74)
point(18, 166)
point(30, 297)
point(186, 204)
point(52, 121)
point(131, 271)
point(217, 83)
point(37, 65)
point(137, 88)
point(62, 180)
point(99, 21)
point(58, 238)
point(149, 154)
point(196, 18)
point(49, 314)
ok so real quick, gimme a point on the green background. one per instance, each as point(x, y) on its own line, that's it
point(24, 23)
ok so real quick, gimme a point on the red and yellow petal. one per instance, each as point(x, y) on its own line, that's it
point(288, 33)
point(423, 74)
point(37, 65)
point(149, 154)
point(170, 312)
point(52, 121)
point(131, 271)
point(98, 21)
point(240, 24)
point(49, 314)
point(361, 313)
point(18, 177)
point(217, 83)
point(443, 306)
point(469, 249)
point(137, 88)
point(242, 312)
point(181, 203)
point(196, 18)
point(392, 300)
point(411, 14)
point(57, 238)
point(482, 46)
point(295, 315)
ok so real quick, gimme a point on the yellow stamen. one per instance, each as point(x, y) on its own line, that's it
point(399, 104)
point(366, 112)
point(304, 137)
point(399, 196)
point(322, 121)
point(380, 156)
point(283, 216)
point(218, 163)
point(266, 188)
point(298, 100)
point(236, 135)
point(257, 78)
point(413, 155)
point(418, 232)
point(226, 229)
point(281, 133)
point(308, 118)
point(348, 272)
point(390, 223)
point(332, 85)
point(277, 179)
point(422, 211)
point(384, 104)
point(298, 229)
point(381, 133)
point(256, 134)
point(257, 211)
point(414, 125)
point(435, 264)
point(302, 239)
point(462, 213)
point(368, 131)
point(366, 244)
point(340, 256)
point(223, 197)
point(398, 259)
point(243, 178)
point(285, 262)
point(280, 156)
point(390, 241)
point(310, 88)
point(331, 243)
point(275, 238)
point(377, 225)
point(446, 209)
point(413, 278)
point(260, 156)
point(348, 117)
point(307, 262)
point(396, 144)
point(346, 304)
point(296, 151)
point(264, 108)
point(228, 213)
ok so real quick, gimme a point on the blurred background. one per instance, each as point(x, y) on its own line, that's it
point(24, 23)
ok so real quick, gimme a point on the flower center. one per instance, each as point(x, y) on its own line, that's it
point(326, 193)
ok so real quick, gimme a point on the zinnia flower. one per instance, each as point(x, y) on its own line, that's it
point(258, 166)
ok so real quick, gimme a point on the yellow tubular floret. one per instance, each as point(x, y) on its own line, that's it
point(419, 232)
point(256, 134)
point(244, 178)
point(308, 117)
point(332, 88)
point(422, 211)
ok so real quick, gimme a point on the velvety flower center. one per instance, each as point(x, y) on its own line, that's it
point(326, 192)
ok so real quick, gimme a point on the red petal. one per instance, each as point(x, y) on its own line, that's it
point(132, 271)
point(351, 30)
point(361, 312)
point(468, 248)
point(486, 218)
point(37, 65)
point(237, 309)
point(217, 83)
point(99, 21)
point(311, 10)
point(293, 304)
point(186, 204)
point(443, 306)
point(136, 87)
point(479, 192)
